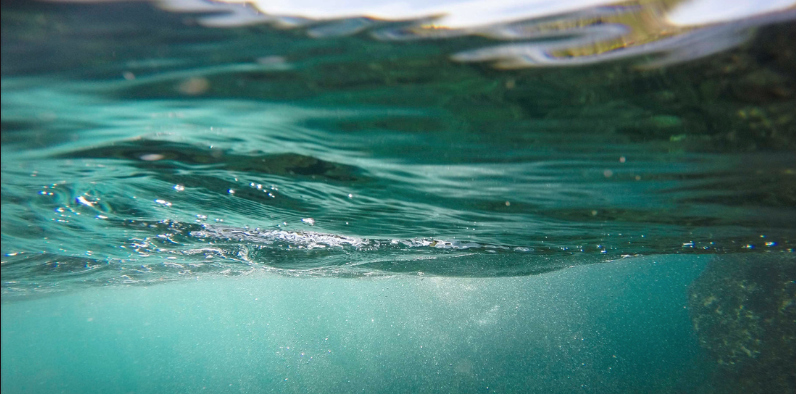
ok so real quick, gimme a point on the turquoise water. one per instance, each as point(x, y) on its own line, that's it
point(197, 196)
point(603, 328)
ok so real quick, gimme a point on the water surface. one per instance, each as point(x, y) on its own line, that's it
point(160, 158)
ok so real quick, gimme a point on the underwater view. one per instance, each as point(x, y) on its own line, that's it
point(514, 196)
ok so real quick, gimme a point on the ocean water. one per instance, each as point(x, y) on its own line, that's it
point(519, 197)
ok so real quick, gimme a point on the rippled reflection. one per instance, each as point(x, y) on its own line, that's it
point(541, 34)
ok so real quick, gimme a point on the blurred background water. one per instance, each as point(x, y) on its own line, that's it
point(189, 187)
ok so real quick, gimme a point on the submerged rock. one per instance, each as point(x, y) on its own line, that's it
point(743, 309)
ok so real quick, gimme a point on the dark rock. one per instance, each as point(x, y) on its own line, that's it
point(743, 309)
